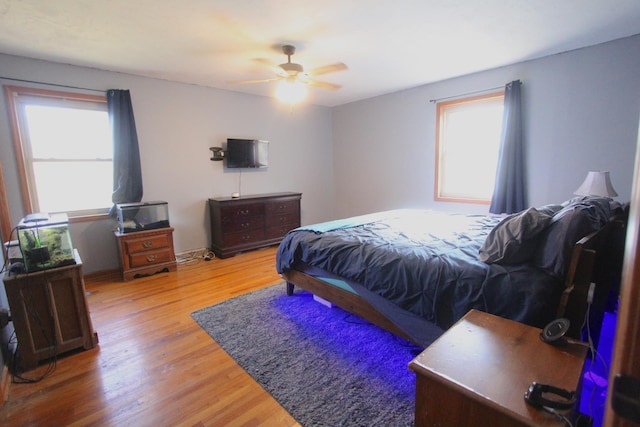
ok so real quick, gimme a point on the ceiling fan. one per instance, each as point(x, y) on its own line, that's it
point(294, 73)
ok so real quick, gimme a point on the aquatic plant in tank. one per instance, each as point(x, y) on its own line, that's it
point(45, 244)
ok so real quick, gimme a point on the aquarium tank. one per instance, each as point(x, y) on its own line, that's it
point(142, 216)
point(45, 241)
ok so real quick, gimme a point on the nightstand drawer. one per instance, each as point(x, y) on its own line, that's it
point(143, 253)
point(147, 243)
point(149, 258)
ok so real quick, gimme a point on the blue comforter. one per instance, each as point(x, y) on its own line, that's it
point(424, 262)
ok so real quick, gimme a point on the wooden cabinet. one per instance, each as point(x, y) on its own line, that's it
point(477, 372)
point(50, 313)
point(251, 222)
point(144, 253)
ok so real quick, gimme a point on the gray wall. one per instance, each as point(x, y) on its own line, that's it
point(580, 113)
point(176, 124)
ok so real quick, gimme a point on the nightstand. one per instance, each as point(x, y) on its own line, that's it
point(477, 372)
point(144, 253)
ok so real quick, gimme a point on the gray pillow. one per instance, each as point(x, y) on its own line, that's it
point(550, 210)
point(515, 238)
point(573, 222)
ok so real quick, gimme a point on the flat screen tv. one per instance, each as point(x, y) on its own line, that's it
point(247, 153)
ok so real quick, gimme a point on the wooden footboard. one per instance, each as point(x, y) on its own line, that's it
point(344, 299)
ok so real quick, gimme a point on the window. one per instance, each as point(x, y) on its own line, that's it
point(467, 148)
point(64, 148)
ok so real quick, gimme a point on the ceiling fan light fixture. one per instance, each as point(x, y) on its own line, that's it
point(291, 91)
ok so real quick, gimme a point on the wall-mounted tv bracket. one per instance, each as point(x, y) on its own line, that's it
point(217, 153)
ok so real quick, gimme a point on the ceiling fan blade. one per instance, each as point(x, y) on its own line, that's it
point(242, 82)
point(332, 68)
point(277, 69)
point(265, 62)
point(323, 85)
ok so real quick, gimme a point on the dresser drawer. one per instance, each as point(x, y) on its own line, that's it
point(278, 231)
point(149, 258)
point(282, 206)
point(232, 211)
point(237, 224)
point(147, 243)
point(292, 219)
point(243, 238)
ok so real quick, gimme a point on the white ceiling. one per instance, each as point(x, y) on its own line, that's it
point(388, 45)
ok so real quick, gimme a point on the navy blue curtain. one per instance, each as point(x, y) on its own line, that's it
point(127, 173)
point(508, 193)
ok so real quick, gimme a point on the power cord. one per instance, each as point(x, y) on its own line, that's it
point(594, 352)
point(195, 256)
point(558, 415)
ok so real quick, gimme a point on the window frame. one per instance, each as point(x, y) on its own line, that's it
point(440, 108)
point(11, 95)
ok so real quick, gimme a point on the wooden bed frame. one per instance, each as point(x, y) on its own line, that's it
point(596, 258)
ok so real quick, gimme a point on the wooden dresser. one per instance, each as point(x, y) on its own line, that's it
point(144, 253)
point(251, 222)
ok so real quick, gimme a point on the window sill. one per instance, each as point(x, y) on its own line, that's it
point(88, 218)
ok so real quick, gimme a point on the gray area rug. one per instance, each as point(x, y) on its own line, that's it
point(323, 365)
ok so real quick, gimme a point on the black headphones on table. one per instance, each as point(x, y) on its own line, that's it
point(533, 396)
point(552, 334)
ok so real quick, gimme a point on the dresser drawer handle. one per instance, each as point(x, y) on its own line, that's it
point(243, 212)
point(245, 225)
point(246, 238)
point(147, 244)
point(152, 258)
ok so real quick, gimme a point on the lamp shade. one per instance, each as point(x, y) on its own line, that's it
point(597, 183)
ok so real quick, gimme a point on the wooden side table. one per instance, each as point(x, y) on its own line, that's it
point(477, 372)
point(143, 253)
point(50, 313)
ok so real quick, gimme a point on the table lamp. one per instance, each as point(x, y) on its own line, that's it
point(597, 183)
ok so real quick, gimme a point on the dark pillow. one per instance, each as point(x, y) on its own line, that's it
point(569, 225)
point(550, 210)
point(515, 238)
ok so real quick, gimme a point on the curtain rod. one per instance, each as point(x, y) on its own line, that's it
point(465, 94)
point(52, 84)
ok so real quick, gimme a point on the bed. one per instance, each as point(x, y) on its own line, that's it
point(416, 272)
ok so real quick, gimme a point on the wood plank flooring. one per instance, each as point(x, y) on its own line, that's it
point(154, 366)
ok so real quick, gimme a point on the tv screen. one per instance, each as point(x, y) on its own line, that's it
point(247, 153)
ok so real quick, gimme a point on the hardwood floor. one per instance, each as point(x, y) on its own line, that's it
point(154, 366)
